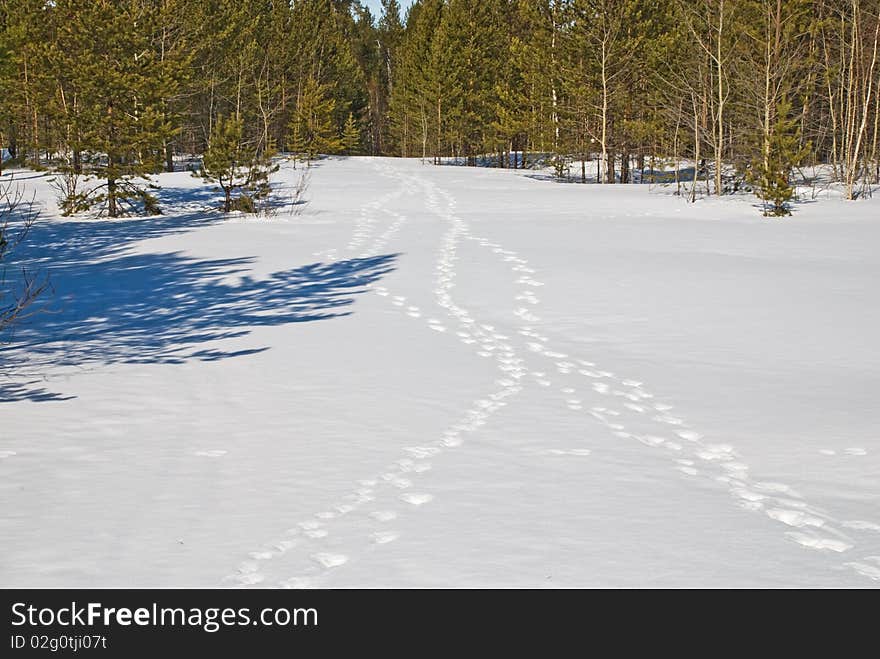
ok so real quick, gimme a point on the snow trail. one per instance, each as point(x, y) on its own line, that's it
point(524, 354)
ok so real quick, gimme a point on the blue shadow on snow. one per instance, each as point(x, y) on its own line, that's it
point(112, 306)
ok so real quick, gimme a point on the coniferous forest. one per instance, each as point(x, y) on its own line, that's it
point(435, 294)
point(747, 90)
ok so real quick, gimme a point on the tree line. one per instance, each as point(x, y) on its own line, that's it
point(723, 93)
point(747, 90)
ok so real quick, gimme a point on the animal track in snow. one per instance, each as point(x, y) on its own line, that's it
point(297, 583)
point(861, 525)
point(715, 452)
point(489, 343)
point(417, 499)
point(384, 537)
point(819, 543)
point(384, 515)
point(870, 570)
point(719, 460)
point(330, 560)
point(578, 452)
point(794, 518)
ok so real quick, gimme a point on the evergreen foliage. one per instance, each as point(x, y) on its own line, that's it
point(236, 167)
point(772, 176)
point(116, 89)
point(351, 136)
point(313, 129)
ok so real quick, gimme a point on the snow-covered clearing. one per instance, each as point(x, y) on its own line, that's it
point(442, 376)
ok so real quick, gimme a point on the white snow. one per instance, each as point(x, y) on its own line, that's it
point(446, 376)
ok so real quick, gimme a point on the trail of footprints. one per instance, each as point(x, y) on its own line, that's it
point(402, 473)
point(628, 405)
point(625, 407)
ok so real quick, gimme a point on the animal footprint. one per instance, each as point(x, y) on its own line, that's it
point(297, 583)
point(417, 499)
point(861, 525)
point(249, 579)
point(383, 515)
point(795, 518)
point(716, 452)
point(330, 560)
point(261, 555)
point(384, 537)
point(820, 544)
point(870, 571)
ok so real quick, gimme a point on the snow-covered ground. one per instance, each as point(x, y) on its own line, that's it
point(442, 376)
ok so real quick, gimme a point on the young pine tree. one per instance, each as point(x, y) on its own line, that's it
point(312, 127)
point(111, 66)
point(783, 150)
point(351, 136)
point(236, 167)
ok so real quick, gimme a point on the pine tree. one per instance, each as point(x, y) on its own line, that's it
point(325, 38)
point(119, 120)
point(236, 167)
point(313, 128)
point(468, 56)
point(772, 174)
point(390, 34)
point(351, 136)
point(116, 88)
point(416, 101)
point(5, 62)
point(540, 57)
point(24, 80)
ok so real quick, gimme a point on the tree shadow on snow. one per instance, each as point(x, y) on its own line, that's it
point(11, 392)
point(111, 306)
